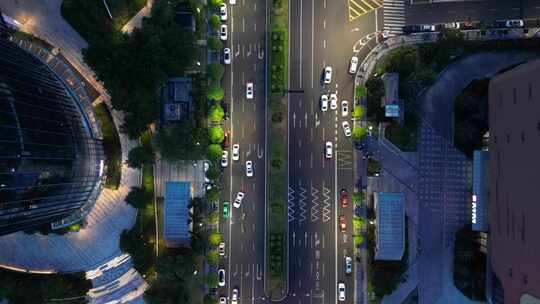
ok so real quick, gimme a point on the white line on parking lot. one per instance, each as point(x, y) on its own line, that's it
point(324, 43)
point(324, 24)
point(243, 24)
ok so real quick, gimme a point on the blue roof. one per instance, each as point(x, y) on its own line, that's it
point(390, 209)
point(176, 215)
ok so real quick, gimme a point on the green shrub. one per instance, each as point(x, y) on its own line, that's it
point(358, 111)
point(139, 156)
point(216, 113)
point(214, 152)
point(215, 92)
point(214, 238)
point(358, 133)
point(212, 257)
point(215, 71)
point(214, 22)
point(215, 44)
point(216, 135)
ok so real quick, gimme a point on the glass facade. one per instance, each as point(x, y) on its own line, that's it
point(50, 159)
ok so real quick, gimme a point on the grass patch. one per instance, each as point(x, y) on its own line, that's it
point(111, 146)
point(91, 20)
point(17, 287)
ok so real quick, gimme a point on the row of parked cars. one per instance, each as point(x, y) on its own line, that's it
point(419, 28)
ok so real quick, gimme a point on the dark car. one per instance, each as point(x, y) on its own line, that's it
point(227, 139)
point(225, 107)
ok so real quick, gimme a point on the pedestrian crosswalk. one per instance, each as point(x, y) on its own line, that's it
point(394, 16)
point(358, 8)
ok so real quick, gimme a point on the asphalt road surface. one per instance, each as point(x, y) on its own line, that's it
point(244, 233)
point(320, 35)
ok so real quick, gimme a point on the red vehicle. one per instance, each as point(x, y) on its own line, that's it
point(342, 223)
point(344, 198)
point(226, 139)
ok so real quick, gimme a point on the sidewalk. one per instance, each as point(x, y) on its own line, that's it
point(137, 19)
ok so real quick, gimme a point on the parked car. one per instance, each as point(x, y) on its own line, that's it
point(333, 101)
point(385, 34)
point(225, 107)
point(249, 168)
point(227, 139)
point(353, 65)
point(342, 223)
point(346, 128)
point(348, 264)
point(223, 12)
point(327, 74)
point(328, 149)
point(341, 291)
point(226, 210)
point(223, 32)
point(514, 23)
point(221, 277)
point(225, 159)
point(221, 249)
point(238, 199)
point(236, 152)
point(227, 55)
point(222, 300)
point(452, 25)
point(249, 90)
point(344, 108)
point(344, 198)
point(324, 102)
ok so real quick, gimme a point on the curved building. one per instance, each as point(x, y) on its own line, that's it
point(50, 158)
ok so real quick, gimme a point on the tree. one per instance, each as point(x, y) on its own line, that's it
point(358, 240)
point(213, 218)
point(216, 113)
point(214, 22)
point(212, 195)
point(215, 92)
point(215, 71)
point(216, 135)
point(216, 3)
point(215, 44)
point(358, 222)
point(213, 172)
point(138, 198)
point(360, 91)
point(358, 111)
point(182, 141)
point(358, 133)
point(212, 280)
point(212, 257)
point(139, 156)
point(357, 198)
point(214, 238)
point(214, 152)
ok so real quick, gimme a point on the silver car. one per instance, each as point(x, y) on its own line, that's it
point(346, 128)
point(249, 168)
point(327, 74)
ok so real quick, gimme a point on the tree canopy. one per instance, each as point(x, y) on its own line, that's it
point(182, 141)
point(214, 152)
point(216, 113)
point(139, 156)
point(215, 92)
point(216, 135)
point(215, 71)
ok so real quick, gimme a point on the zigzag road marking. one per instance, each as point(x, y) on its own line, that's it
point(326, 207)
point(315, 204)
point(290, 205)
point(302, 203)
point(344, 159)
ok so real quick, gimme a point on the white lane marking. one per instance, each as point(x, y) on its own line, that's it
point(301, 10)
point(243, 24)
point(255, 27)
point(312, 37)
point(324, 24)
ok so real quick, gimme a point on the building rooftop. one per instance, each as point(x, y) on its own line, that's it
point(177, 98)
point(176, 215)
point(390, 224)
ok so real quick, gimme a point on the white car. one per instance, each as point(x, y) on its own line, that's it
point(324, 102)
point(206, 167)
point(221, 249)
point(385, 34)
point(249, 168)
point(221, 277)
point(333, 101)
point(348, 265)
point(346, 128)
point(327, 74)
point(236, 152)
point(225, 159)
point(344, 108)
point(427, 28)
point(452, 25)
point(223, 32)
point(222, 300)
point(328, 149)
point(223, 11)
point(235, 296)
point(353, 65)
point(514, 23)
point(249, 90)
point(227, 55)
point(238, 199)
point(232, 2)
point(341, 291)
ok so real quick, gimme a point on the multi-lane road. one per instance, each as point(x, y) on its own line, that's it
point(244, 233)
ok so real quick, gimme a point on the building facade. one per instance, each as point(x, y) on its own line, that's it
point(51, 161)
point(514, 183)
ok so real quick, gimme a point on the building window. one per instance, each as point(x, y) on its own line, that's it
point(514, 93)
point(522, 136)
point(530, 91)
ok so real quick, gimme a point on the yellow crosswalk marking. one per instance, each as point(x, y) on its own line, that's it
point(358, 8)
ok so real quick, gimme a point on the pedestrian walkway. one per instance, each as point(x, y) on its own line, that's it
point(359, 8)
point(394, 16)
